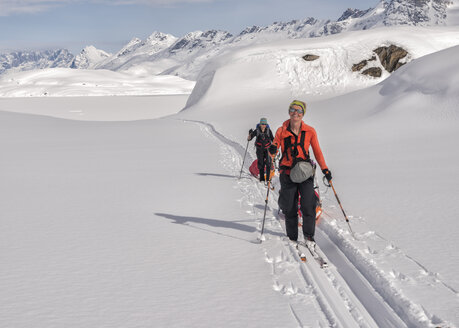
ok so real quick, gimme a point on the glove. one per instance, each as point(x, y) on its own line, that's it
point(273, 149)
point(327, 174)
point(249, 137)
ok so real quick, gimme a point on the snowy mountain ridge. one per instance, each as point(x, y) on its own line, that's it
point(188, 54)
point(88, 57)
point(28, 60)
point(164, 53)
point(341, 65)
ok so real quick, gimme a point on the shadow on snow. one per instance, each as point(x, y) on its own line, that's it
point(189, 220)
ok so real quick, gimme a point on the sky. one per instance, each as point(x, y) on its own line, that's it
point(109, 25)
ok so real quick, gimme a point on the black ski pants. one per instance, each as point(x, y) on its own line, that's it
point(263, 162)
point(288, 203)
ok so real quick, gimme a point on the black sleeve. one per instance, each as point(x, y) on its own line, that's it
point(253, 134)
point(271, 135)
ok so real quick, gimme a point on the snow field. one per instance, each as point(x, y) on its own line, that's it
point(101, 229)
point(65, 82)
point(126, 108)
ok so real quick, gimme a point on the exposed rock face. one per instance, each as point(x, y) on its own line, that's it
point(390, 57)
point(373, 71)
point(352, 13)
point(310, 57)
point(362, 64)
point(359, 66)
point(415, 12)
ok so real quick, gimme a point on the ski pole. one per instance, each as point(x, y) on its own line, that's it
point(240, 174)
point(339, 202)
point(264, 215)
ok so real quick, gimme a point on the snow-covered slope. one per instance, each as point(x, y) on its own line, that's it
point(138, 51)
point(330, 74)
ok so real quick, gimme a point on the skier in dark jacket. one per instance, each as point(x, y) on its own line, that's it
point(263, 140)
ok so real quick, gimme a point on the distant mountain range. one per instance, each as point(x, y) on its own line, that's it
point(163, 53)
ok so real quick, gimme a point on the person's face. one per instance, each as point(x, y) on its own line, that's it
point(263, 126)
point(296, 113)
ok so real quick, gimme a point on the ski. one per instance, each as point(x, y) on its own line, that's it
point(300, 254)
point(319, 259)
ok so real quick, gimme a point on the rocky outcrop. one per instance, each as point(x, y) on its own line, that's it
point(362, 64)
point(373, 71)
point(389, 57)
point(415, 12)
point(352, 13)
point(310, 57)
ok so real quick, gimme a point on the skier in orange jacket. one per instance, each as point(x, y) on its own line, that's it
point(294, 138)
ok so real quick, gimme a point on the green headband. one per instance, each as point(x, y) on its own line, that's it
point(299, 103)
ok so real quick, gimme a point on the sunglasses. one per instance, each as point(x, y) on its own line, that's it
point(262, 123)
point(293, 110)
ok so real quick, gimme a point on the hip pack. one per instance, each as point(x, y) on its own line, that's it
point(301, 171)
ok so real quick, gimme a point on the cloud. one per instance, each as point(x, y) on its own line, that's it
point(11, 7)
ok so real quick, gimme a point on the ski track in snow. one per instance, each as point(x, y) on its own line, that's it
point(353, 291)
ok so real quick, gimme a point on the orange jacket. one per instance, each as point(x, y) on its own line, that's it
point(310, 140)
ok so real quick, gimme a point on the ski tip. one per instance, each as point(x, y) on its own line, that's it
point(302, 256)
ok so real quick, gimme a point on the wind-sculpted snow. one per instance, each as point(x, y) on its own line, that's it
point(281, 64)
point(437, 84)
